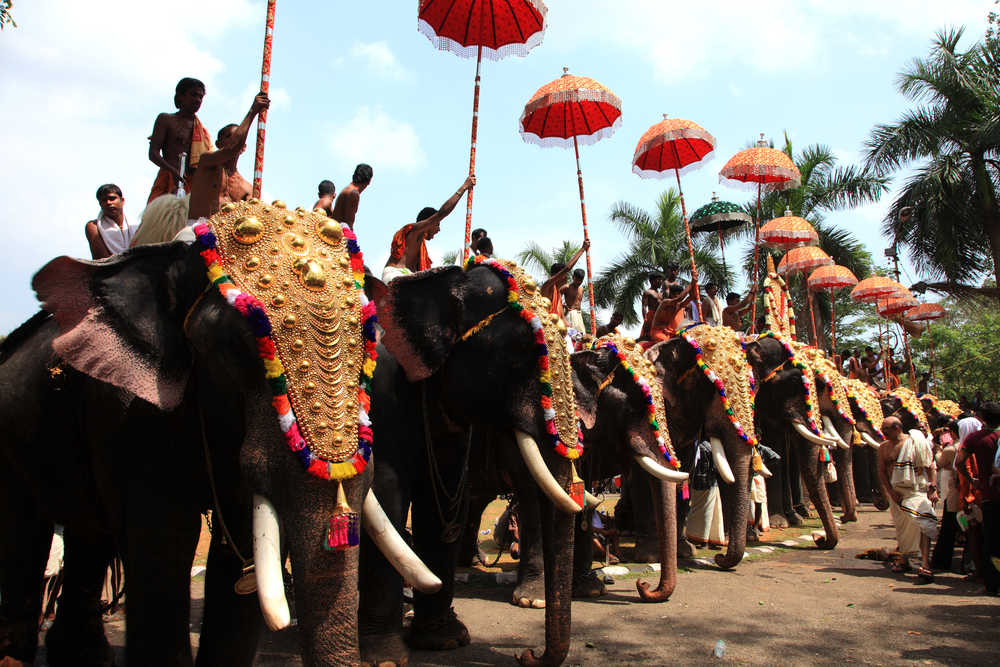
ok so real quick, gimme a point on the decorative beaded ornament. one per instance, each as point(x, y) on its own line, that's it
point(643, 373)
point(721, 356)
point(826, 371)
point(912, 405)
point(317, 321)
point(777, 304)
point(942, 405)
point(867, 401)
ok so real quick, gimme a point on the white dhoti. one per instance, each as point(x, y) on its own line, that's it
point(758, 494)
point(916, 516)
point(390, 272)
point(704, 523)
point(575, 320)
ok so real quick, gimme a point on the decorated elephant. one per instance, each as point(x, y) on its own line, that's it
point(905, 404)
point(867, 411)
point(174, 379)
point(464, 348)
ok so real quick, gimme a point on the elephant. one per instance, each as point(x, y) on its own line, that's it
point(616, 432)
point(136, 401)
point(867, 413)
point(457, 354)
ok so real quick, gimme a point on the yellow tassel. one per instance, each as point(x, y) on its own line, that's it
point(758, 464)
point(856, 440)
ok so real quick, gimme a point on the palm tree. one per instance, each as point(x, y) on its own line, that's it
point(656, 240)
point(536, 259)
point(954, 133)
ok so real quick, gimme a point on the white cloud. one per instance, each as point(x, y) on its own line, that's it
point(374, 137)
point(380, 61)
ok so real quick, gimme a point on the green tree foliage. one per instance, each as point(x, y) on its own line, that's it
point(655, 239)
point(5, 16)
point(951, 140)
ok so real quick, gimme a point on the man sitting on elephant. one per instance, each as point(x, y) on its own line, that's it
point(408, 253)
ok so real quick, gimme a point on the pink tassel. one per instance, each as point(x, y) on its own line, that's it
point(345, 525)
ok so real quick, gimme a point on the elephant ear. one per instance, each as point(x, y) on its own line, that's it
point(673, 360)
point(422, 317)
point(589, 369)
point(121, 320)
point(375, 290)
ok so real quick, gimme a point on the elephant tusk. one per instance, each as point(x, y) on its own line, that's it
point(870, 441)
point(542, 474)
point(387, 538)
point(721, 462)
point(267, 564)
point(832, 432)
point(591, 501)
point(660, 472)
point(810, 436)
point(764, 471)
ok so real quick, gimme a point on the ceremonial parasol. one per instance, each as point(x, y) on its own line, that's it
point(572, 110)
point(875, 288)
point(265, 85)
point(676, 145)
point(494, 28)
point(831, 277)
point(788, 230)
point(803, 260)
point(927, 312)
point(896, 305)
point(717, 216)
point(763, 167)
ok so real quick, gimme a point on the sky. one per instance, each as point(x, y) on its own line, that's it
point(82, 84)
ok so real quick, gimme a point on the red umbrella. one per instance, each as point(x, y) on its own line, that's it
point(761, 167)
point(572, 110)
point(831, 277)
point(803, 260)
point(494, 28)
point(680, 146)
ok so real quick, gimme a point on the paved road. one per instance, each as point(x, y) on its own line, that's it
point(798, 606)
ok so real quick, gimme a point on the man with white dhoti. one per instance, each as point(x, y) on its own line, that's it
point(704, 521)
point(111, 232)
point(912, 486)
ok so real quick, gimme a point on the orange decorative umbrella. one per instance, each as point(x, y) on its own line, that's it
point(572, 110)
point(763, 167)
point(926, 312)
point(831, 277)
point(895, 305)
point(875, 288)
point(803, 260)
point(680, 146)
point(788, 230)
point(494, 28)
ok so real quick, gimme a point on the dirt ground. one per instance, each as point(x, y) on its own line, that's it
point(795, 606)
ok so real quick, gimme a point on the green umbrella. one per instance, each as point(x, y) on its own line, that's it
point(718, 215)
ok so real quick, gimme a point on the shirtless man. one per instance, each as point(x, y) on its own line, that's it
point(557, 278)
point(651, 299)
point(110, 232)
point(173, 134)
point(346, 206)
point(216, 181)
point(327, 193)
point(732, 314)
point(408, 253)
point(612, 326)
point(484, 247)
point(474, 240)
point(670, 313)
point(572, 295)
point(671, 279)
point(711, 305)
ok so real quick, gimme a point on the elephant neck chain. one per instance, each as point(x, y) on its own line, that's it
point(451, 529)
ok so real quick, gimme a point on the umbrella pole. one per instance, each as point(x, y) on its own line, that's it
point(833, 324)
point(466, 249)
point(756, 250)
point(265, 84)
point(586, 237)
point(930, 337)
point(809, 306)
point(687, 231)
point(722, 251)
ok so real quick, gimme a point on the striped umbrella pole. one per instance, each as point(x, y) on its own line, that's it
point(265, 85)
point(472, 156)
point(687, 231)
point(586, 237)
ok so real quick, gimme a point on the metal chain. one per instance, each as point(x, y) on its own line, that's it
point(215, 497)
point(452, 500)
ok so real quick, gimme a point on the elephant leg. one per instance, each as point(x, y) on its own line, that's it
point(812, 475)
point(530, 590)
point(862, 482)
point(844, 461)
point(664, 504)
point(231, 624)
point(795, 482)
point(469, 552)
point(380, 613)
point(777, 497)
point(586, 583)
point(435, 626)
point(24, 550)
point(684, 548)
point(646, 529)
point(882, 500)
point(77, 635)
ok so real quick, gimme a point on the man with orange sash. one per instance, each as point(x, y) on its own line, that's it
point(670, 312)
point(408, 253)
point(176, 133)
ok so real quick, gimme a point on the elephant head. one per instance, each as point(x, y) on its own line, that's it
point(261, 326)
point(867, 421)
point(935, 407)
point(904, 404)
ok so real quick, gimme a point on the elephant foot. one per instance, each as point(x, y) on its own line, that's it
point(589, 586)
point(867, 499)
point(826, 543)
point(778, 521)
point(530, 594)
point(793, 519)
point(753, 535)
point(881, 504)
point(76, 638)
point(685, 549)
point(441, 634)
point(849, 518)
point(384, 651)
point(646, 549)
point(803, 511)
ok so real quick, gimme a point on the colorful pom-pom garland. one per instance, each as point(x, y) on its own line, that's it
point(256, 316)
point(750, 438)
point(807, 376)
point(648, 394)
point(545, 378)
point(833, 396)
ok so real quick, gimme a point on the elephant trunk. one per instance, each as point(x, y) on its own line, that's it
point(812, 474)
point(557, 543)
point(665, 510)
point(738, 497)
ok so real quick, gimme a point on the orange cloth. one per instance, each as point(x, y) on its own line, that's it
point(165, 184)
point(968, 494)
point(669, 330)
point(662, 332)
point(399, 247)
point(201, 142)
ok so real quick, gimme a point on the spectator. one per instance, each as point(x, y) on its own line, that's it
point(982, 445)
point(110, 233)
point(948, 480)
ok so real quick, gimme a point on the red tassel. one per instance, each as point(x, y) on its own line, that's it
point(575, 490)
point(685, 491)
point(345, 525)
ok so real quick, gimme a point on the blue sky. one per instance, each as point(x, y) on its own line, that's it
point(351, 82)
